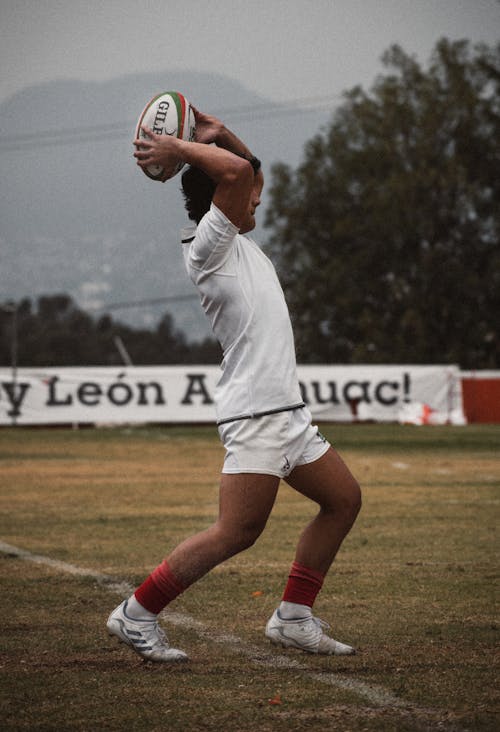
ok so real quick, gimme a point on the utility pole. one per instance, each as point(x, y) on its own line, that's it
point(12, 309)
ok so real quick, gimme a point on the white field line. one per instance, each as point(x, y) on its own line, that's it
point(370, 692)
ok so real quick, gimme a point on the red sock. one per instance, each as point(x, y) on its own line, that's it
point(303, 585)
point(159, 589)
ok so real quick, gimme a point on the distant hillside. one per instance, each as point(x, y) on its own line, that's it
point(78, 217)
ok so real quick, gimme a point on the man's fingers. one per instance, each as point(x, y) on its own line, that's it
point(150, 136)
point(148, 132)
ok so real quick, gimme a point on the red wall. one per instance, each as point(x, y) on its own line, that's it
point(481, 399)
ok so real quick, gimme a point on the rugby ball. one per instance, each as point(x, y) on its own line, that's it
point(168, 113)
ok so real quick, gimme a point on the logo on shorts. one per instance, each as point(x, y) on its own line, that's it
point(286, 466)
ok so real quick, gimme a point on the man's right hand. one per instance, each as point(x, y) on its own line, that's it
point(208, 128)
point(158, 150)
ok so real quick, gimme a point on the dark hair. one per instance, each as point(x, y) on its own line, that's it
point(198, 189)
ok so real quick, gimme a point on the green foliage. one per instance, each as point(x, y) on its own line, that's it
point(387, 235)
point(57, 333)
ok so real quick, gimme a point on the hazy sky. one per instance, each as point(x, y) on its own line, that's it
point(283, 49)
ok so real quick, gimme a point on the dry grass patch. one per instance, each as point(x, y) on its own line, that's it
point(412, 587)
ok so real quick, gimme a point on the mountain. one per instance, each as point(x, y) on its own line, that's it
point(76, 214)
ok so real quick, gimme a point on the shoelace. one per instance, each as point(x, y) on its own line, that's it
point(322, 624)
point(161, 637)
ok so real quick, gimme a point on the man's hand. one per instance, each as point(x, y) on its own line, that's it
point(157, 150)
point(208, 128)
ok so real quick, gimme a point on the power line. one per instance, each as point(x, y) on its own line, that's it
point(35, 136)
point(141, 303)
point(112, 130)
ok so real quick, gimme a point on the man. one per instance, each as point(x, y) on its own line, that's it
point(263, 423)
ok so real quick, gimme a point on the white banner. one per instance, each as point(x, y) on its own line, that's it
point(185, 394)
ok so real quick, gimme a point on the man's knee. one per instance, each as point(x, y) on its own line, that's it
point(355, 499)
point(239, 537)
point(346, 501)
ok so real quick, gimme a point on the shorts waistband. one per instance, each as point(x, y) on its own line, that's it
point(261, 414)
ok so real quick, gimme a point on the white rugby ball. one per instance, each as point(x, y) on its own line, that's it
point(168, 113)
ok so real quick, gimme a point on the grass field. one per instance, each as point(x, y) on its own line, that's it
point(412, 588)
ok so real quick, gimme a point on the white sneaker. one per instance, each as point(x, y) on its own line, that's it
point(306, 634)
point(144, 636)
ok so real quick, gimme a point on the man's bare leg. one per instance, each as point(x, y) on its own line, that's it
point(329, 483)
point(245, 502)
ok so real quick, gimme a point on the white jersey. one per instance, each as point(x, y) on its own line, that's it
point(243, 299)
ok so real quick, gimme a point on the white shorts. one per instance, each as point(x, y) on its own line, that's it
point(274, 444)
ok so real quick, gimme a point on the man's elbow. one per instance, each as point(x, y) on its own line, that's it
point(240, 172)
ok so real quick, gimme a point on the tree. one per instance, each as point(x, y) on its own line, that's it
point(58, 333)
point(387, 235)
